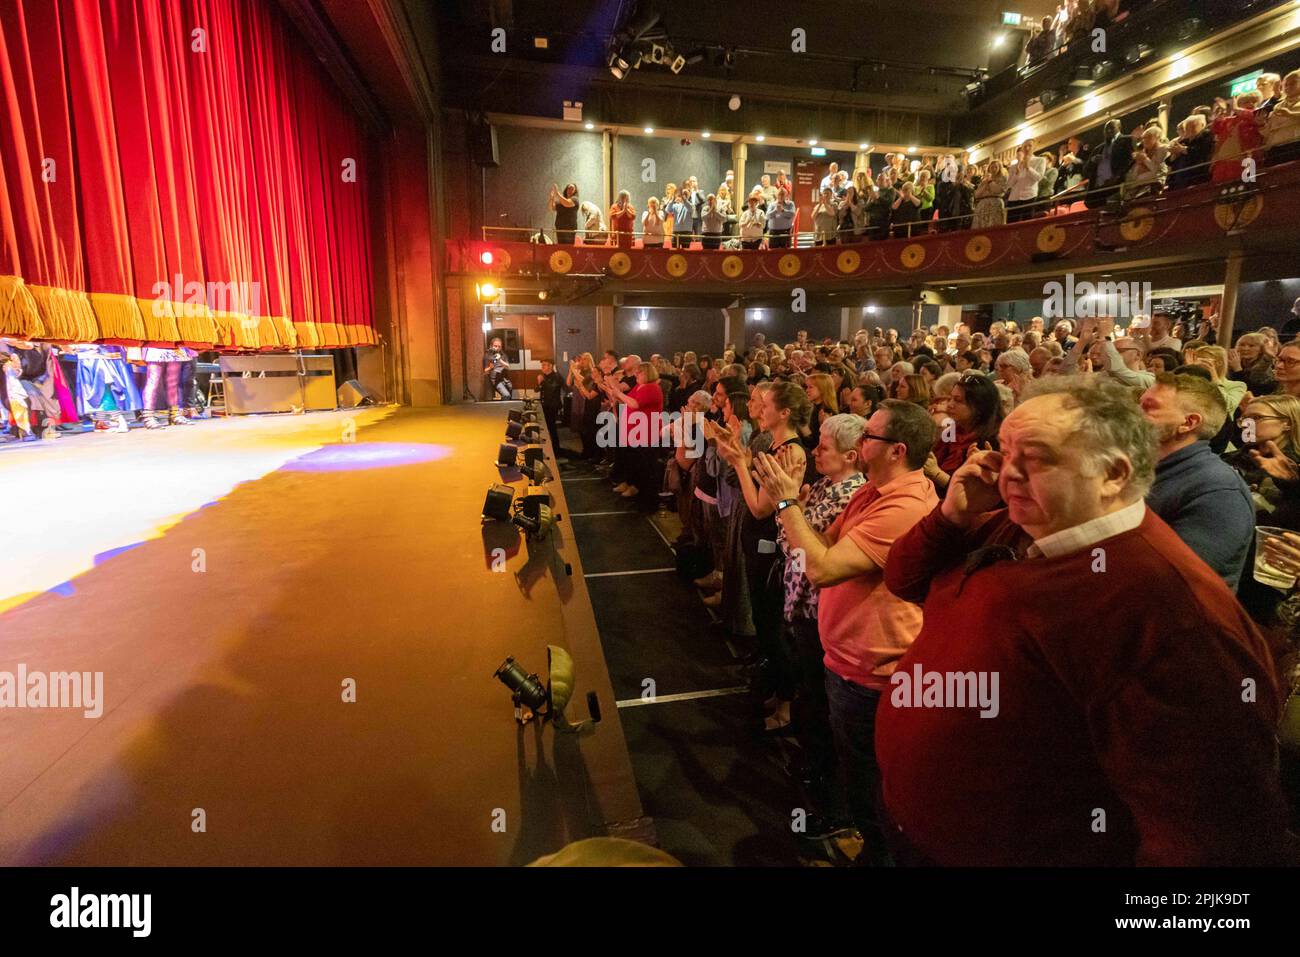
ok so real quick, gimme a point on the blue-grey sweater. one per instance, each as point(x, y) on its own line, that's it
point(1208, 505)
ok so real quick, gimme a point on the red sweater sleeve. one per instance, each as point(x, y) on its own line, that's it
point(931, 546)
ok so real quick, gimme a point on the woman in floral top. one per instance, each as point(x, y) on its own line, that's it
point(836, 457)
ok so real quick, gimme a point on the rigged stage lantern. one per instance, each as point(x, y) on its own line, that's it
point(177, 171)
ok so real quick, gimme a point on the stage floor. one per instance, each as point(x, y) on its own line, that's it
point(228, 581)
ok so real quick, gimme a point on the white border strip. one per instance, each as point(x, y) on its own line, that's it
point(687, 696)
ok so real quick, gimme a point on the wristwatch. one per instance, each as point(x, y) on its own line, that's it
point(785, 503)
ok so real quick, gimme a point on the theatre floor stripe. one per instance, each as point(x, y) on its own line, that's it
point(639, 571)
point(685, 696)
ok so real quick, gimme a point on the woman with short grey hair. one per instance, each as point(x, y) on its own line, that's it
point(836, 459)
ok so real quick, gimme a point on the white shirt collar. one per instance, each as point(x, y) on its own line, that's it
point(1070, 540)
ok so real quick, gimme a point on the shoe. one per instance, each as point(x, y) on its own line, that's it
point(151, 421)
point(175, 418)
point(780, 722)
point(621, 487)
point(714, 600)
point(631, 492)
point(101, 426)
point(50, 433)
point(120, 424)
point(30, 437)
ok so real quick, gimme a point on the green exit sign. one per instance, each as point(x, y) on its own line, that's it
point(1010, 19)
point(1245, 84)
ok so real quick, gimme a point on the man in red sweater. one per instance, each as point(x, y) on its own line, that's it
point(1134, 702)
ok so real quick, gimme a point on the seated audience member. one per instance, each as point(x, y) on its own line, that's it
point(1014, 371)
point(974, 417)
point(863, 628)
point(1130, 718)
point(1198, 495)
point(912, 388)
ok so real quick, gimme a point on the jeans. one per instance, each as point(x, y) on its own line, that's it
point(853, 727)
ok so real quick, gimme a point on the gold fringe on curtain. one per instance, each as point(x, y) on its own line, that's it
point(237, 330)
point(194, 320)
point(284, 328)
point(119, 316)
point(67, 314)
point(306, 334)
point(19, 315)
point(159, 319)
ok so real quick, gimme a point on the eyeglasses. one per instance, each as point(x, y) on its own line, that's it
point(1286, 362)
point(878, 438)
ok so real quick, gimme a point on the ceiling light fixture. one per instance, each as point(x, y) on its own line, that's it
point(760, 137)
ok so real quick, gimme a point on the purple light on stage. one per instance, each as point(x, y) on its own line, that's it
point(353, 456)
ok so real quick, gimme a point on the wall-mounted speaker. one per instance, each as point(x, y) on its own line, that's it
point(483, 144)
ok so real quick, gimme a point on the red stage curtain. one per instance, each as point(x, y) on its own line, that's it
point(198, 194)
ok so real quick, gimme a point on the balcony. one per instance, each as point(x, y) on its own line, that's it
point(1188, 232)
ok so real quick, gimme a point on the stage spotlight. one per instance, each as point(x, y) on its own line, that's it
point(525, 688)
point(542, 294)
point(486, 257)
point(536, 472)
point(496, 506)
point(486, 291)
point(528, 431)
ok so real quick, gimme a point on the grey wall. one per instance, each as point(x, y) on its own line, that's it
point(1265, 304)
point(531, 160)
point(668, 330)
point(673, 163)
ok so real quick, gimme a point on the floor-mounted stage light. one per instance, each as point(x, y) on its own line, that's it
point(532, 512)
point(547, 703)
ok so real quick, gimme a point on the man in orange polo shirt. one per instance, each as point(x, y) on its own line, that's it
point(864, 628)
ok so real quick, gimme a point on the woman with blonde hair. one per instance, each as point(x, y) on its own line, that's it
point(912, 388)
point(1251, 362)
point(990, 206)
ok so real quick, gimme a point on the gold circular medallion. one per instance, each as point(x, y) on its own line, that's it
point(561, 261)
point(677, 265)
point(1050, 239)
point(501, 259)
point(620, 264)
point(1233, 213)
point(1137, 225)
point(789, 264)
point(732, 267)
point(912, 256)
point(848, 261)
point(978, 248)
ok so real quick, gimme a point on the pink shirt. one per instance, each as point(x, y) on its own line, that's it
point(864, 627)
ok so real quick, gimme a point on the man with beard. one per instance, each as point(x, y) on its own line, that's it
point(1199, 496)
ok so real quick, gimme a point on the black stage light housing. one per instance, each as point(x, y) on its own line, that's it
point(507, 455)
point(515, 415)
point(497, 505)
point(533, 455)
point(526, 688)
point(514, 430)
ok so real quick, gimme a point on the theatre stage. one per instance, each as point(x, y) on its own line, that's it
point(227, 580)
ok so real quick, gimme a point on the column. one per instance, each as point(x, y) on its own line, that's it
point(1228, 312)
point(604, 329)
point(739, 152)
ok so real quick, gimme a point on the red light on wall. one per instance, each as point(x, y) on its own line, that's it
point(486, 257)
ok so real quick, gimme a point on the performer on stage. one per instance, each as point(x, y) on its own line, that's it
point(164, 366)
point(106, 388)
point(29, 388)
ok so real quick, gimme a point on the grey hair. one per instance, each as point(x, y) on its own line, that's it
point(1017, 359)
point(845, 429)
point(905, 367)
point(701, 398)
point(942, 387)
point(1111, 425)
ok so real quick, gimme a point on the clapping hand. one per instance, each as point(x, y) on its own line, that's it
point(1274, 462)
point(775, 480)
point(1283, 553)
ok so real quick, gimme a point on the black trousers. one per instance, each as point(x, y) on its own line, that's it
point(551, 413)
point(811, 711)
point(778, 239)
